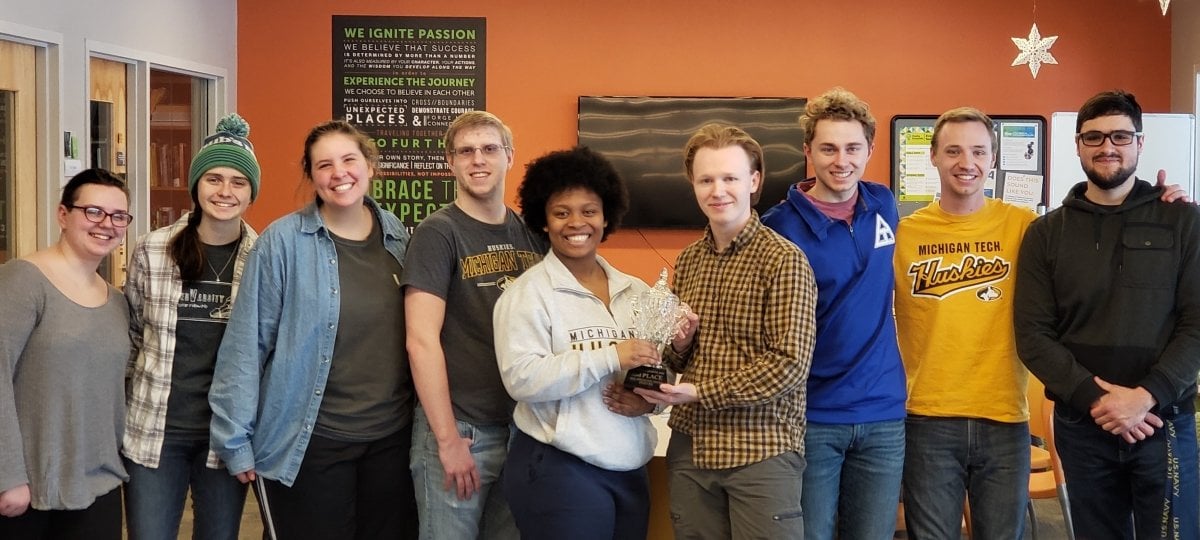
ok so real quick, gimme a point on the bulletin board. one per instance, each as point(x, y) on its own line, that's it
point(1018, 177)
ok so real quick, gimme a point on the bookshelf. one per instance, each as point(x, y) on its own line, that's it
point(177, 112)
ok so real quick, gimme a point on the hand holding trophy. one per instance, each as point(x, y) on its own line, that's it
point(657, 316)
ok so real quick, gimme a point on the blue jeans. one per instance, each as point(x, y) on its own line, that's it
point(852, 480)
point(442, 515)
point(983, 460)
point(554, 495)
point(1120, 490)
point(154, 498)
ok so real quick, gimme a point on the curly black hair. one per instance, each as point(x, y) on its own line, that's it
point(558, 171)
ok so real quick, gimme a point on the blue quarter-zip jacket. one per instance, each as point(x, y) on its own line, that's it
point(857, 376)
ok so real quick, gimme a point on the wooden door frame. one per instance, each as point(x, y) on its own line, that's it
point(108, 81)
point(18, 73)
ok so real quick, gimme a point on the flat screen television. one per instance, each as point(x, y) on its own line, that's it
point(644, 138)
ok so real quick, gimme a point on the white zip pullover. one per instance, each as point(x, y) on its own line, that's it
point(556, 348)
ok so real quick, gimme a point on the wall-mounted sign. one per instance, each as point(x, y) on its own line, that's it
point(402, 80)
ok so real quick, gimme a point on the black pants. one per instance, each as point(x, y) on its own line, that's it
point(100, 521)
point(350, 490)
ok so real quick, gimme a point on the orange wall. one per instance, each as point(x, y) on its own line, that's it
point(903, 58)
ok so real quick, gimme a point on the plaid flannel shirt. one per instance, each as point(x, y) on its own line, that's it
point(751, 354)
point(153, 288)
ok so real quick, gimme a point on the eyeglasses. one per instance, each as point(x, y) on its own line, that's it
point(489, 150)
point(1118, 138)
point(96, 214)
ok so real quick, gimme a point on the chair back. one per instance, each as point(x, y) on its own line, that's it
point(1047, 411)
point(1035, 394)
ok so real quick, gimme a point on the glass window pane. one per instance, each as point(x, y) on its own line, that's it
point(178, 113)
point(102, 128)
point(6, 181)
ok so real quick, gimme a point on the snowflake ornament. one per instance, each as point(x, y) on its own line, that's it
point(1035, 50)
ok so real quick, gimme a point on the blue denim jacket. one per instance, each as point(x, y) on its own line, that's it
point(274, 359)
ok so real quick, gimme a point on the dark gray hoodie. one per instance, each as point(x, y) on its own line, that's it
point(1112, 291)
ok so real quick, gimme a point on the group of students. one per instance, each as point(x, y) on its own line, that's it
point(82, 416)
point(928, 326)
point(467, 382)
point(283, 361)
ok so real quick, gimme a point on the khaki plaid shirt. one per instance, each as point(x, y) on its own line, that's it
point(751, 354)
point(153, 288)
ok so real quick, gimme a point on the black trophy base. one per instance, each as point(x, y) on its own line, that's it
point(648, 377)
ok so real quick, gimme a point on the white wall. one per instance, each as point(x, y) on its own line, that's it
point(191, 31)
point(193, 35)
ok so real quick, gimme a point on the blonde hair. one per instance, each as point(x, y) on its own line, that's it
point(962, 115)
point(837, 104)
point(473, 119)
point(717, 136)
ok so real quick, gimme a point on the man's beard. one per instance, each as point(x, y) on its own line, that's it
point(1113, 181)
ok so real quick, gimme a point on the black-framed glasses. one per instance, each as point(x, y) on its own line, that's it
point(1119, 137)
point(489, 150)
point(95, 214)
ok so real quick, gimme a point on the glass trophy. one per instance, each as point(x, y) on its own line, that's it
point(657, 316)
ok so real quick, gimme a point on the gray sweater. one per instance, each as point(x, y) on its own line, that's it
point(62, 407)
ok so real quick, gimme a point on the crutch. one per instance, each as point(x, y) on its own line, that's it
point(264, 508)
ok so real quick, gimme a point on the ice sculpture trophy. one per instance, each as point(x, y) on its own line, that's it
point(657, 316)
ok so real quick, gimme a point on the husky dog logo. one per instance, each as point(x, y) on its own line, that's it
point(884, 236)
point(932, 280)
point(223, 311)
point(501, 283)
point(989, 293)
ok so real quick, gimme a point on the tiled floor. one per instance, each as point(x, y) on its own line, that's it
point(1049, 519)
point(252, 528)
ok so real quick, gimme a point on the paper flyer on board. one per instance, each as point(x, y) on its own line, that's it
point(918, 179)
point(1019, 146)
point(1023, 189)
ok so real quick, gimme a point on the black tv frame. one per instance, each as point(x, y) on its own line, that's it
point(644, 137)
